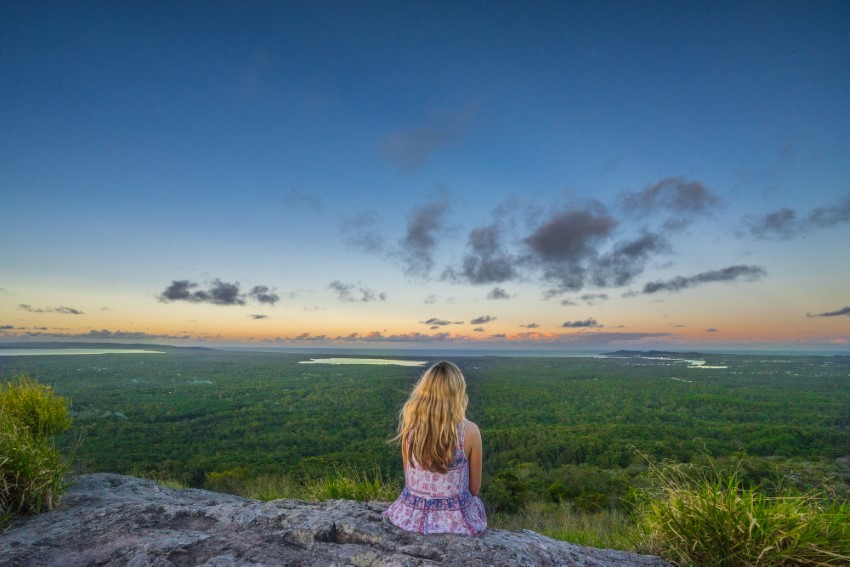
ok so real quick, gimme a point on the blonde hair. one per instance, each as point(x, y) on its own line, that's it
point(430, 417)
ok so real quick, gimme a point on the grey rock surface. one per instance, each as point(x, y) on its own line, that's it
point(108, 519)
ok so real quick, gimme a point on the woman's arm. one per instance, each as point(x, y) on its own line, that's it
point(472, 443)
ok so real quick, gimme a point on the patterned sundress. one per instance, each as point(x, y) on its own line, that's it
point(435, 503)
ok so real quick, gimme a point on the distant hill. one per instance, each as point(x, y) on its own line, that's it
point(652, 354)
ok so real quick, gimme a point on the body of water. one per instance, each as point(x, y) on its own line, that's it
point(78, 351)
point(381, 361)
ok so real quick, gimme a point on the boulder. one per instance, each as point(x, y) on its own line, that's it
point(108, 519)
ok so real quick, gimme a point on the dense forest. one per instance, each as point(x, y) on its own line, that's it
point(576, 429)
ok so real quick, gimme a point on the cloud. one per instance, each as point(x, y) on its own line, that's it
point(218, 293)
point(258, 317)
point(261, 294)
point(107, 334)
point(498, 293)
point(593, 298)
point(417, 246)
point(298, 200)
point(482, 320)
point(6, 327)
point(498, 336)
point(360, 232)
point(479, 329)
point(431, 299)
point(61, 309)
point(836, 313)
point(783, 223)
point(349, 293)
point(627, 260)
point(435, 321)
point(487, 262)
point(589, 322)
point(410, 148)
point(732, 273)
point(672, 194)
point(568, 302)
point(530, 325)
point(566, 241)
point(711, 330)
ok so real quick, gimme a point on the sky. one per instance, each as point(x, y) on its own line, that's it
point(571, 176)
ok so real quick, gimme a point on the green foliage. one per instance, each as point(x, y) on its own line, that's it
point(703, 515)
point(31, 468)
point(353, 484)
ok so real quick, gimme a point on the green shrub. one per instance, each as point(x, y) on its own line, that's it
point(31, 468)
point(353, 484)
point(703, 515)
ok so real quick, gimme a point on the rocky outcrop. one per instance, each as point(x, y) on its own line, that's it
point(109, 519)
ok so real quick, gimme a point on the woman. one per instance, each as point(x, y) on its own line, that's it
point(441, 453)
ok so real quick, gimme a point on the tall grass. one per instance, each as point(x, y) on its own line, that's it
point(608, 528)
point(703, 516)
point(31, 468)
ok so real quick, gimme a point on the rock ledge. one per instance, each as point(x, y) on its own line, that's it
point(109, 519)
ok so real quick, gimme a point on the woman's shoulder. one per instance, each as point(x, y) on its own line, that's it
point(471, 430)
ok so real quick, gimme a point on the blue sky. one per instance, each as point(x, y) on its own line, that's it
point(380, 165)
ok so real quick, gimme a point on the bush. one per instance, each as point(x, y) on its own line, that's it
point(31, 468)
point(703, 515)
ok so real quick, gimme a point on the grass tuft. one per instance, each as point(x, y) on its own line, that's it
point(703, 515)
point(31, 468)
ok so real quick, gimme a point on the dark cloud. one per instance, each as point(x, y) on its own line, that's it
point(436, 321)
point(498, 293)
point(258, 317)
point(530, 325)
point(349, 293)
point(297, 200)
point(589, 322)
point(836, 313)
point(61, 309)
point(410, 148)
point(423, 225)
point(482, 320)
point(566, 242)
point(780, 224)
point(431, 299)
point(218, 293)
point(479, 329)
point(783, 224)
point(711, 330)
point(6, 327)
point(487, 261)
point(732, 273)
point(593, 298)
point(261, 294)
point(498, 336)
point(627, 260)
point(360, 232)
point(568, 302)
point(673, 194)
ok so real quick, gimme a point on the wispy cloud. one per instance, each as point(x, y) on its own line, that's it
point(482, 320)
point(423, 225)
point(732, 273)
point(836, 313)
point(349, 293)
point(530, 325)
point(784, 223)
point(487, 261)
point(684, 199)
point(106, 334)
point(711, 330)
point(437, 322)
point(262, 294)
point(296, 199)
point(361, 232)
point(258, 317)
point(61, 309)
point(411, 148)
point(498, 293)
point(589, 322)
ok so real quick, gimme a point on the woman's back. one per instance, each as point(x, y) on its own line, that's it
point(434, 502)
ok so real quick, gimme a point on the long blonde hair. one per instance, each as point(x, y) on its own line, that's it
point(431, 415)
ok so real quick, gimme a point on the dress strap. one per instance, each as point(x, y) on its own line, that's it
point(461, 433)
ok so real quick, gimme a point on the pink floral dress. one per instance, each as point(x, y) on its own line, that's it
point(435, 503)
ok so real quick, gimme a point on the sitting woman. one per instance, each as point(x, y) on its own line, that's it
point(441, 452)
